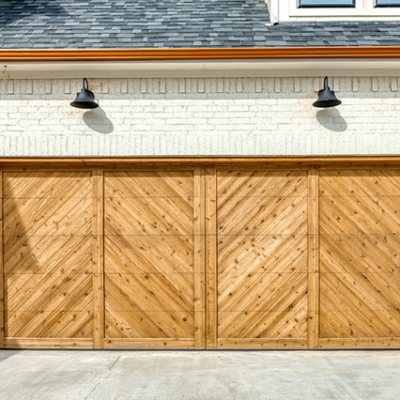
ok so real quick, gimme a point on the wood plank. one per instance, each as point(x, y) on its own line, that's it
point(199, 260)
point(149, 344)
point(2, 307)
point(266, 344)
point(313, 258)
point(211, 256)
point(48, 343)
point(98, 257)
point(333, 161)
point(360, 343)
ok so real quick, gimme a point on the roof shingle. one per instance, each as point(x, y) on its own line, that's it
point(101, 24)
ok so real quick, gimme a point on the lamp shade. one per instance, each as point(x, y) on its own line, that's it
point(326, 97)
point(85, 98)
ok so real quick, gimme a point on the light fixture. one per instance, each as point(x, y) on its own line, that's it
point(85, 99)
point(326, 97)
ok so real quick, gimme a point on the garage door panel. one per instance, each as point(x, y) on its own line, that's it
point(269, 291)
point(57, 219)
point(160, 254)
point(71, 324)
point(48, 260)
point(42, 184)
point(262, 265)
point(49, 255)
point(272, 253)
point(264, 324)
point(256, 217)
point(148, 325)
point(151, 292)
point(49, 292)
point(360, 253)
point(362, 324)
point(360, 276)
point(143, 217)
point(150, 264)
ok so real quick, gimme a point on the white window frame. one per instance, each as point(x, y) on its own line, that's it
point(365, 10)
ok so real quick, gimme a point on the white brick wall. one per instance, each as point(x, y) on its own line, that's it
point(200, 117)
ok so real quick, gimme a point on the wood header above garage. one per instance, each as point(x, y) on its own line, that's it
point(198, 54)
point(198, 160)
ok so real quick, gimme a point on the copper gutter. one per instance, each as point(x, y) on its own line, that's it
point(86, 55)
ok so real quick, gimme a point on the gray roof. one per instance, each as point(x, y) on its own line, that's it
point(50, 24)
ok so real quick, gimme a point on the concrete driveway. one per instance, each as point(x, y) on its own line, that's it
point(177, 375)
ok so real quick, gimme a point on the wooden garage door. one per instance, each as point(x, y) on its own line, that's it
point(194, 257)
point(47, 259)
point(154, 264)
point(360, 258)
point(262, 275)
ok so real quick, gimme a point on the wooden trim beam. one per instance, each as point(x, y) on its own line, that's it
point(112, 162)
point(261, 344)
point(211, 257)
point(360, 343)
point(313, 258)
point(267, 53)
point(98, 257)
point(199, 260)
point(149, 344)
point(47, 343)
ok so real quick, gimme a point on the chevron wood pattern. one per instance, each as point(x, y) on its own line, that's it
point(47, 254)
point(262, 254)
point(128, 257)
point(149, 255)
point(360, 260)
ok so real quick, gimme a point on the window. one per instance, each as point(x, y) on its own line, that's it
point(387, 3)
point(333, 10)
point(327, 3)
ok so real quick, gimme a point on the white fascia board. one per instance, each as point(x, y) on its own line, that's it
point(229, 68)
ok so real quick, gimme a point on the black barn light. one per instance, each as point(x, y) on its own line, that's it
point(85, 99)
point(326, 97)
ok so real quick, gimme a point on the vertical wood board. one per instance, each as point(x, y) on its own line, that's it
point(98, 258)
point(313, 258)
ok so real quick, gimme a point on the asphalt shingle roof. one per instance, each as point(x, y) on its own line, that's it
point(50, 24)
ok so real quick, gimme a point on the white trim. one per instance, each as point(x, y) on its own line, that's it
point(229, 68)
point(365, 10)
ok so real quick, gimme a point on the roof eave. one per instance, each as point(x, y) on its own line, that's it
point(95, 55)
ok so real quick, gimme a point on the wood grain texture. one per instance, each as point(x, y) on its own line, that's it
point(285, 162)
point(313, 258)
point(150, 344)
point(199, 259)
point(360, 343)
point(98, 258)
point(211, 254)
point(360, 266)
point(239, 256)
point(48, 343)
point(48, 254)
point(264, 344)
point(262, 255)
point(150, 262)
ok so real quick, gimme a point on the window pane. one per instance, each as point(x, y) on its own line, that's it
point(327, 3)
point(388, 3)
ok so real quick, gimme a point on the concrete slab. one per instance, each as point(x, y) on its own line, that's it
point(232, 375)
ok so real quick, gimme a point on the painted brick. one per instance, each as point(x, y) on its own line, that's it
point(200, 116)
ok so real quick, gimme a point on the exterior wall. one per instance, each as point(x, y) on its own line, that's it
point(200, 117)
